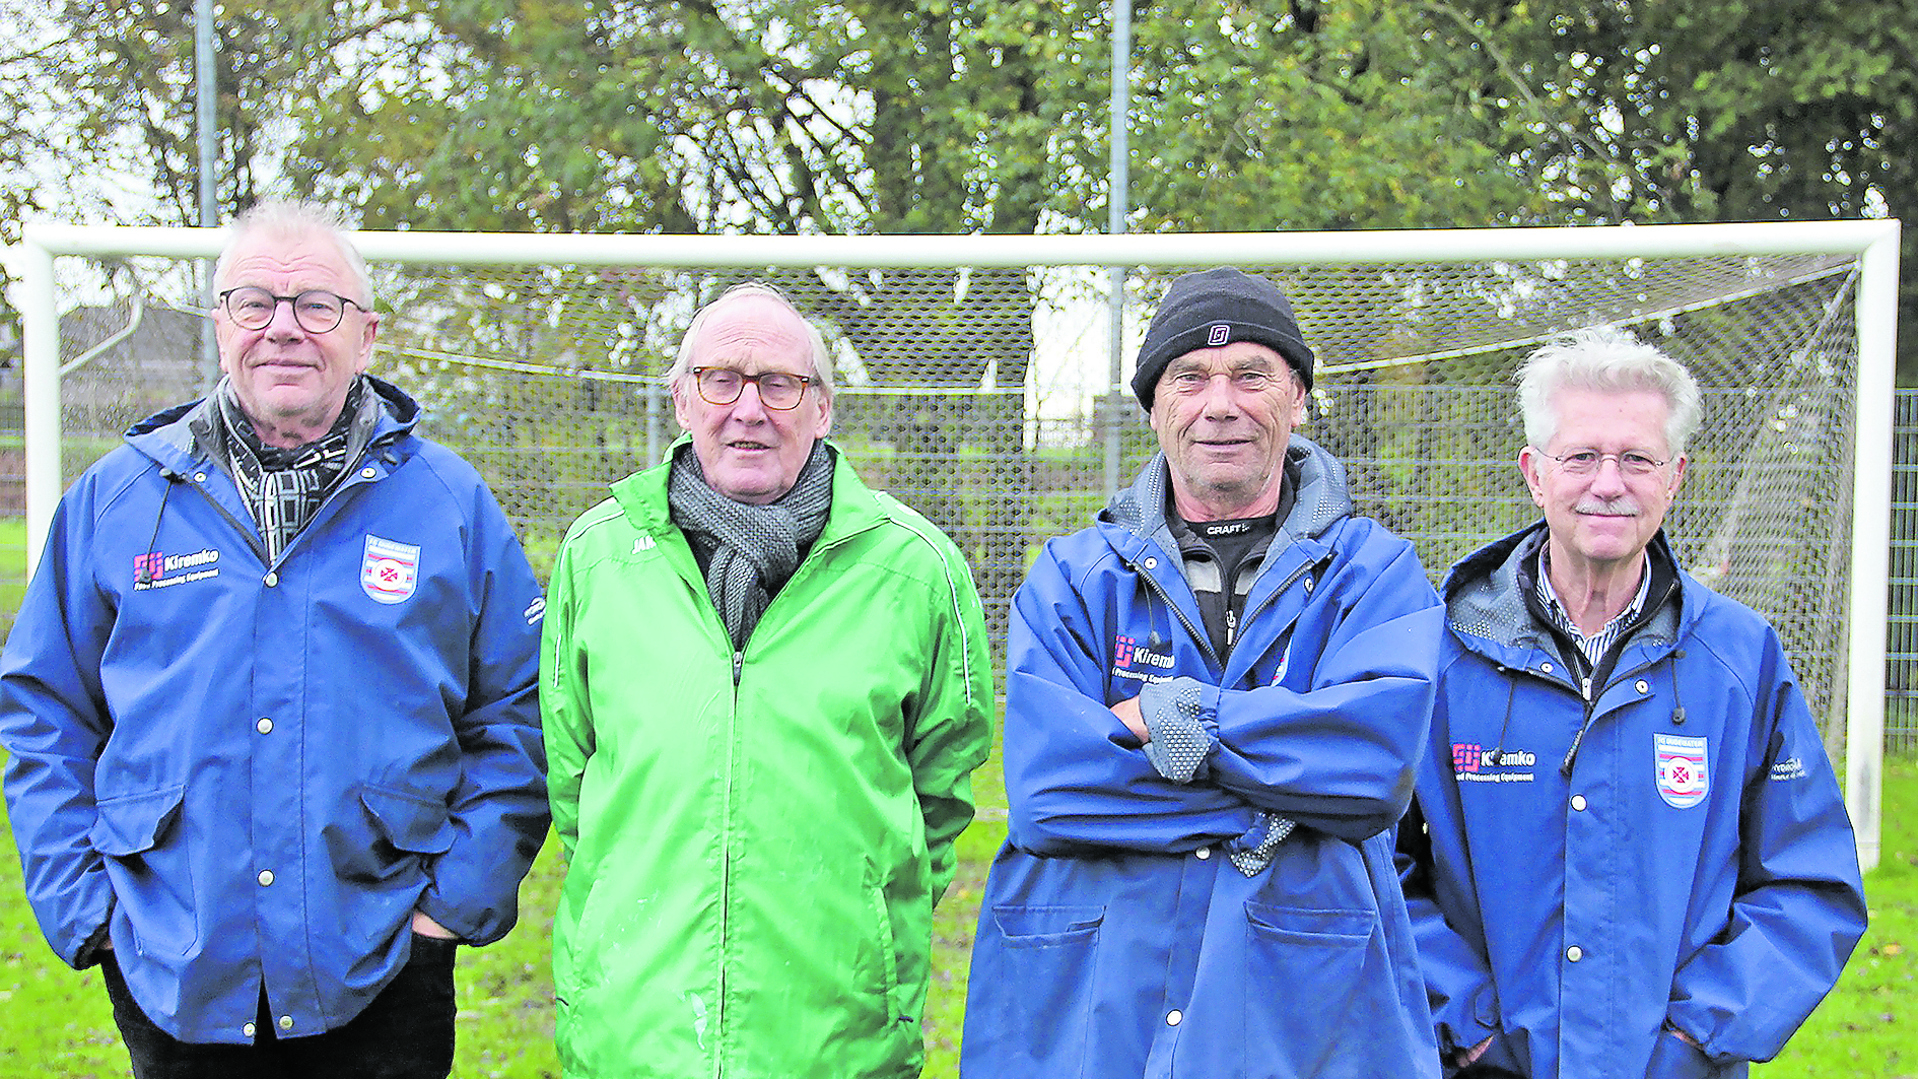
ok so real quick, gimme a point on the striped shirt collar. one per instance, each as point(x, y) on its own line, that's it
point(1596, 645)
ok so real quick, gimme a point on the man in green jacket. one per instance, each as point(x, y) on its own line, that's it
point(764, 687)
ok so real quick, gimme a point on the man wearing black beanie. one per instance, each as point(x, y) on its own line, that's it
point(1215, 699)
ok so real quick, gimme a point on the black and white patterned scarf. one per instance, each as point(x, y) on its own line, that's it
point(285, 487)
point(749, 552)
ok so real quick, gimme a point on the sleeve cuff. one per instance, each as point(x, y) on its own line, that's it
point(89, 953)
point(1179, 743)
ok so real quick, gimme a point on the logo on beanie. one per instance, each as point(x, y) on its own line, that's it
point(1219, 334)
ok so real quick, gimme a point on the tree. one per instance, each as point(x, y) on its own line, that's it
point(1304, 115)
point(1714, 111)
point(782, 117)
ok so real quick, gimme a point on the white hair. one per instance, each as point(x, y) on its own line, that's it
point(1609, 360)
point(815, 341)
point(296, 219)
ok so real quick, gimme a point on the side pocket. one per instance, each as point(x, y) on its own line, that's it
point(385, 837)
point(149, 867)
point(1675, 1058)
point(1306, 1002)
point(1043, 967)
point(895, 1017)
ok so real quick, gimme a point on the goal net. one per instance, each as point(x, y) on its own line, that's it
point(975, 376)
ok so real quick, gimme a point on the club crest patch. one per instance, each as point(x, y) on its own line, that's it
point(1683, 780)
point(390, 570)
point(1219, 334)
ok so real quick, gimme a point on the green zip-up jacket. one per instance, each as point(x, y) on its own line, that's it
point(755, 842)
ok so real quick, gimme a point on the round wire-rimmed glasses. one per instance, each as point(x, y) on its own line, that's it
point(1588, 462)
point(316, 310)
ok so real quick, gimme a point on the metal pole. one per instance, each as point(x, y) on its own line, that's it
point(40, 390)
point(204, 90)
point(1357, 248)
point(1877, 315)
point(1115, 225)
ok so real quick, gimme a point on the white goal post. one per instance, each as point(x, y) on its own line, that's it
point(539, 357)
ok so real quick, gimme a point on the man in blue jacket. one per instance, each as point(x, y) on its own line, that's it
point(1628, 855)
point(269, 703)
point(1216, 697)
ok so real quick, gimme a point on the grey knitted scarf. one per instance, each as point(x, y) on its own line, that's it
point(749, 551)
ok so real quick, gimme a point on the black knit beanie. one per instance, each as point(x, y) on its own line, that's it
point(1209, 308)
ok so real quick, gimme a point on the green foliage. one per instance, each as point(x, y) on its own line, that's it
point(1716, 111)
point(1256, 116)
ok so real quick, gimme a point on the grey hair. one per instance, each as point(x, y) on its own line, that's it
point(815, 341)
point(297, 219)
point(1609, 360)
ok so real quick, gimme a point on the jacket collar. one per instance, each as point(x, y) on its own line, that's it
point(175, 437)
point(1485, 594)
point(1321, 501)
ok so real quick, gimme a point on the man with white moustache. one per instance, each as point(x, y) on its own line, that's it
point(1628, 854)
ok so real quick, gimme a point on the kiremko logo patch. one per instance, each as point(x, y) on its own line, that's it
point(157, 569)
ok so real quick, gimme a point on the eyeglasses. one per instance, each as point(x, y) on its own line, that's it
point(1588, 462)
point(777, 389)
point(316, 310)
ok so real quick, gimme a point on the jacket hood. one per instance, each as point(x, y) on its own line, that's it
point(1322, 499)
point(168, 435)
point(1484, 598)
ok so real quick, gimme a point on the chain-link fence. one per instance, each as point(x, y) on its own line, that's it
point(979, 394)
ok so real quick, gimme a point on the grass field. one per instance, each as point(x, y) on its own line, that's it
point(55, 1022)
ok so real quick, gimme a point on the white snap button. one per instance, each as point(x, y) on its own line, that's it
point(1173, 1017)
point(1574, 953)
point(1202, 853)
point(1578, 802)
point(265, 725)
point(266, 877)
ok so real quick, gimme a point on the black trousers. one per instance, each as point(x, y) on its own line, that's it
point(405, 1033)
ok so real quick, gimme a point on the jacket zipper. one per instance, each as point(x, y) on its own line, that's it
point(246, 531)
point(1165, 597)
point(716, 1013)
point(1231, 622)
point(249, 531)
